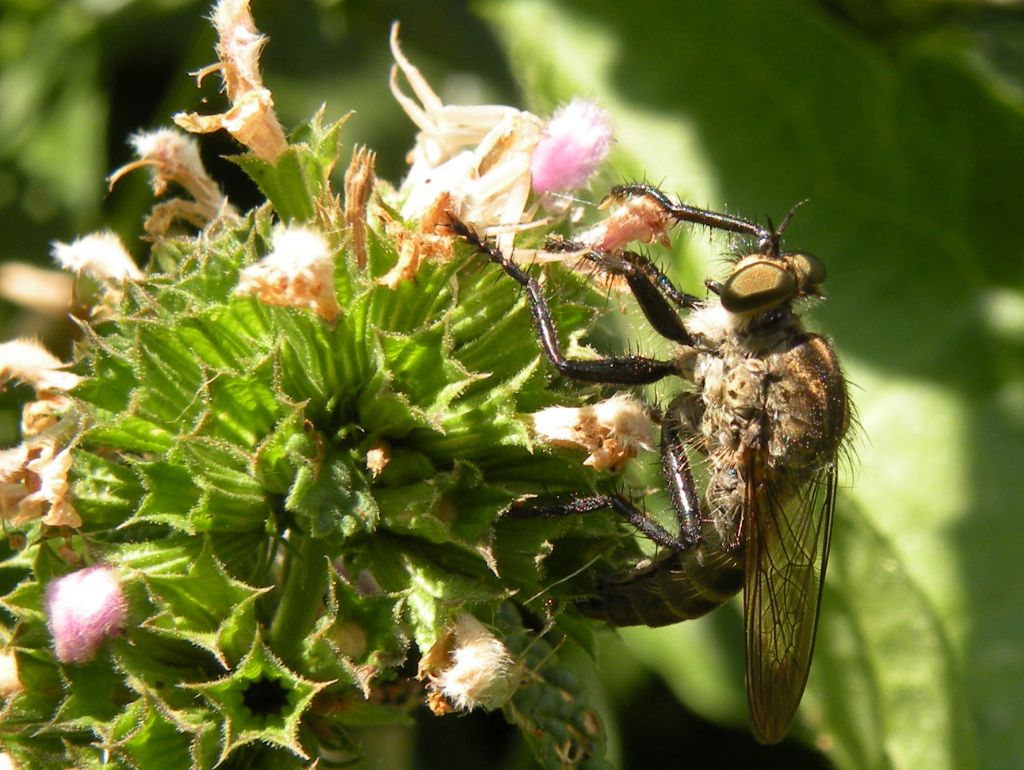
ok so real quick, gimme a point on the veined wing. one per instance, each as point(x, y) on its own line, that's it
point(787, 531)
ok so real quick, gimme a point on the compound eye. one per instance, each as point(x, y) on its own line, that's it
point(758, 286)
point(810, 271)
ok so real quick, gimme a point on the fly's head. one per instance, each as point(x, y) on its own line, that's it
point(760, 283)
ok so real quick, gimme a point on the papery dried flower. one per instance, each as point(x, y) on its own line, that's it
point(29, 362)
point(103, 257)
point(13, 487)
point(52, 496)
point(611, 431)
point(100, 255)
point(43, 413)
point(576, 141)
point(299, 272)
point(432, 239)
point(174, 157)
point(34, 479)
point(478, 155)
point(251, 118)
point(84, 609)
point(359, 179)
point(470, 668)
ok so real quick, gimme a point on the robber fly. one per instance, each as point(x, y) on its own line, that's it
point(765, 413)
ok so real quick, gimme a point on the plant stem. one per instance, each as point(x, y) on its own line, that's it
point(303, 582)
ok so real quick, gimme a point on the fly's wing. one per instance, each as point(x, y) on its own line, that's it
point(787, 529)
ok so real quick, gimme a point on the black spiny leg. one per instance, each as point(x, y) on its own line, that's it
point(613, 370)
point(767, 239)
point(658, 278)
point(652, 290)
point(573, 506)
point(675, 467)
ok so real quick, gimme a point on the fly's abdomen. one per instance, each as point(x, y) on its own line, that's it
point(677, 586)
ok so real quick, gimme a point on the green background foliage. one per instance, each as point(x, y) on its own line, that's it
point(901, 124)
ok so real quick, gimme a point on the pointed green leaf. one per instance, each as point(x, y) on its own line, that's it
point(221, 613)
point(109, 384)
point(221, 467)
point(295, 181)
point(242, 409)
point(283, 451)
point(170, 494)
point(93, 691)
point(261, 702)
point(551, 708)
point(333, 498)
point(105, 492)
point(157, 742)
point(171, 376)
point(131, 433)
point(227, 336)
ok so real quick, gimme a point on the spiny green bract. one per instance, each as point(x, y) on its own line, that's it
point(276, 586)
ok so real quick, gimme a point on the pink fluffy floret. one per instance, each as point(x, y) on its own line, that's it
point(575, 142)
point(83, 609)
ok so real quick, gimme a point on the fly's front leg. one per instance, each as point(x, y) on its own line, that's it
point(662, 281)
point(767, 238)
point(652, 290)
point(612, 370)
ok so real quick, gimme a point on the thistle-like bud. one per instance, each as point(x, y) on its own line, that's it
point(83, 609)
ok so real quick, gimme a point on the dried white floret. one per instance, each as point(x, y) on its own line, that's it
point(610, 431)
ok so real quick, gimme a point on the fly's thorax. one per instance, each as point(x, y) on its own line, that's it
point(766, 386)
point(808, 403)
point(776, 387)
